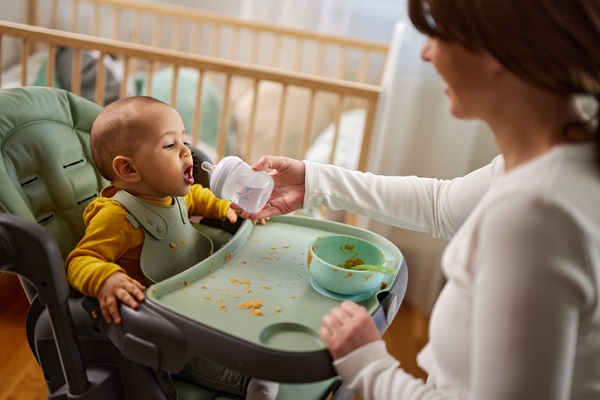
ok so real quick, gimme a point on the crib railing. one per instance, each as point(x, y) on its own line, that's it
point(199, 32)
point(150, 57)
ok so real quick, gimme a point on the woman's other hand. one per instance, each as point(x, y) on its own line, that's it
point(346, 328)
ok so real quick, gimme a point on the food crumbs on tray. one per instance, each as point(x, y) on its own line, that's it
point(186, 282)
point(223, 307)
point(171, 244)
point(204, 286)
point(383, 285)
point(244, 262)
point(265, 287)
point(286, 247)
point(293, 297)
point(278, 309)
point(228, 256)
point(256, 312)
point(251, 304)
point(154, 290)
point(207, 297)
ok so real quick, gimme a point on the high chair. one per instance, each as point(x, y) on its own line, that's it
point(48, 178)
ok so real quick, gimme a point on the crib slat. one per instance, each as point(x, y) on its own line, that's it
point(176, 34)
point(336, 123)
point(320, 60)
point(367, 140)
point(24, 56)
point(254, 47)
point(196, 127)
point(276, 54)
point(222, 135)
point(75, 16)
point(297, 65)
point(50, 66)
point(361, 75)
point(195, 39)
point(150, 78)
point(280, 117)
point(95, 30)
point(157, 28)
point(126, 71)
point(174, 86)
point(215, 40)
point(341, 66)
point(54, 15)
point(116, 24)
point(235, 44)
point(76, 71)
point(253, 108)
point(308, 127)
point(32, 12)
point(100, 78)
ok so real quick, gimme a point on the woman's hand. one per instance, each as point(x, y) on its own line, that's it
point(289, 189)
point(346, 328)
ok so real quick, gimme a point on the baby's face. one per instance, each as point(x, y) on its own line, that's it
point(162, 157)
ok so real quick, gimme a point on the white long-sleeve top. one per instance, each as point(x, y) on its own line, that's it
point(519, 316)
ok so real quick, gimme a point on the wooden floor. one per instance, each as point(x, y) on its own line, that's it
point(21, 377)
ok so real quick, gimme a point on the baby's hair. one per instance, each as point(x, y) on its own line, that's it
point(116, 131)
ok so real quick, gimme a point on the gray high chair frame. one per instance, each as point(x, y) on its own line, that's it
point(81, 356)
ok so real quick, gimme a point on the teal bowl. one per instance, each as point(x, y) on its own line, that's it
point(327, 256)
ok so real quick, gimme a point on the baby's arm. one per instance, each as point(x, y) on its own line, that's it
point(92, 267)
point(119, 287)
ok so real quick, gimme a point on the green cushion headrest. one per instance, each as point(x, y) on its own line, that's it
point(46, 169)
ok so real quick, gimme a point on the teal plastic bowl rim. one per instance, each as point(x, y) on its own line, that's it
point(391, 263)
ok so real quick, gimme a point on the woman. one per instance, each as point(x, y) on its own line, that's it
point(519, 317)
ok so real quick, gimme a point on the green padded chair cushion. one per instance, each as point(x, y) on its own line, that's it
point(46, 169)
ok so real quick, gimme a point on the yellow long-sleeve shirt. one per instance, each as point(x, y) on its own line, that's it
point(112, 244)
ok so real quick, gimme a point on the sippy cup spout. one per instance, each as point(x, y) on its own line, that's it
point(208, 167)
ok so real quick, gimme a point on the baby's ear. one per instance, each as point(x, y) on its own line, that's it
point(125, 170)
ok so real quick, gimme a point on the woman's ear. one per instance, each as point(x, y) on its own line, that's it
point(125, 170)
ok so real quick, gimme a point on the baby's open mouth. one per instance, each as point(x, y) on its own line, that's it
point(188, 174)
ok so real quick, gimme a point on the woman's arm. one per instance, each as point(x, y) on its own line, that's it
point(421, 204)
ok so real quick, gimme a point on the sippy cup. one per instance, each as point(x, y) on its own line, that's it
point(234, 180)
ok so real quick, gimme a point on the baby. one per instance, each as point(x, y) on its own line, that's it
point(139, 145)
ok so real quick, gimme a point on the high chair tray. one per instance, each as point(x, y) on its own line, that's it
point(253, 300)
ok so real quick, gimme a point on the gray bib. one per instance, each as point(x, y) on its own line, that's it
point(171, 243)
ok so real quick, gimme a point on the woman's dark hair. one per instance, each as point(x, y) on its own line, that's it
point(551, 44)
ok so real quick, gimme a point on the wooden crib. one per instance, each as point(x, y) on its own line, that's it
point(242, 87)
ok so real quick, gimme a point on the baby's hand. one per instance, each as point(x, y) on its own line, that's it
point(232, 215)
point(119, 287)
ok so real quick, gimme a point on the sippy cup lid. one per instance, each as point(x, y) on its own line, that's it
point(220, 173)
